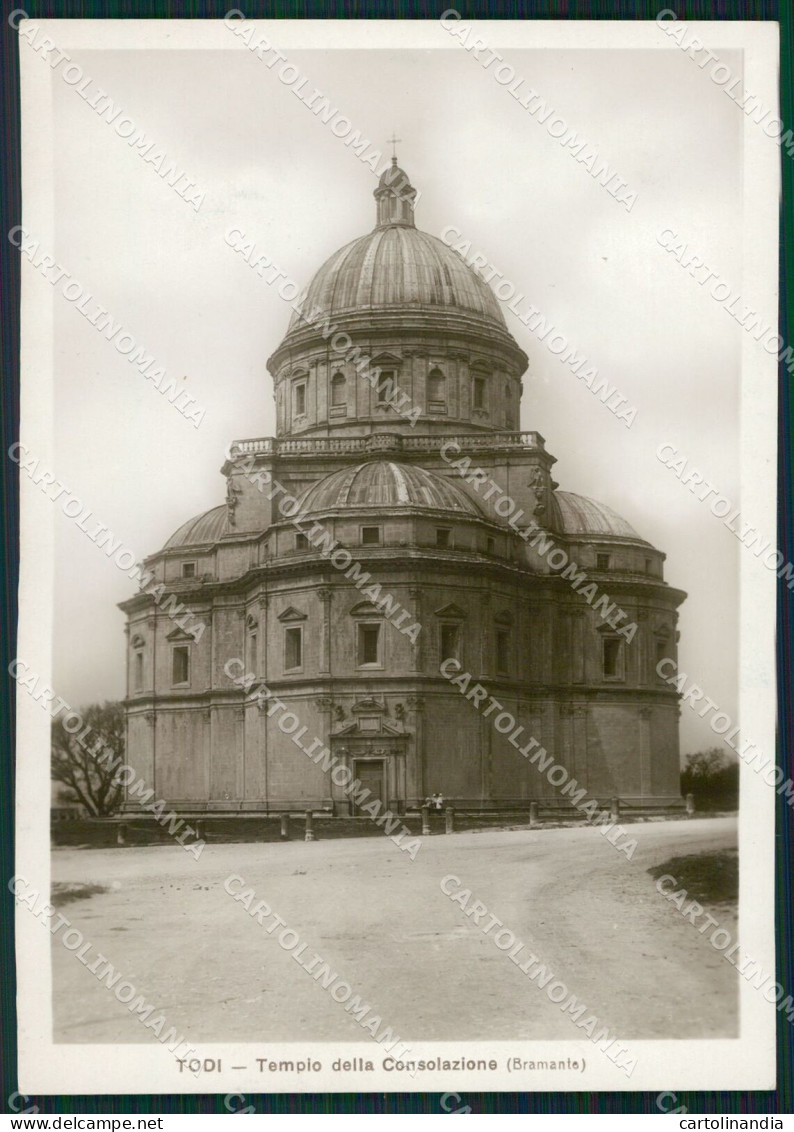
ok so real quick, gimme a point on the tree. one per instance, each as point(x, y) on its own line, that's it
point(92, 783)
point(713, 778)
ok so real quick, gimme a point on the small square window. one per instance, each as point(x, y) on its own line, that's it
point(370, 536)
point(602, 562)
point(449, 637)
point(368, 650)
point(293, 648)
point(611, 656)
point(180, 665)
point(301, 542)
point(443, 537)
point(503, 651)
point(188, 569)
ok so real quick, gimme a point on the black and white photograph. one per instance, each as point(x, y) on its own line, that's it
point(396, 672)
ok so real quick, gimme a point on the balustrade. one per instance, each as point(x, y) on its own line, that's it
point(382, 442)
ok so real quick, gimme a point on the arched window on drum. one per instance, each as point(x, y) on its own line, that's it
point(436, 391)
point(339, 394)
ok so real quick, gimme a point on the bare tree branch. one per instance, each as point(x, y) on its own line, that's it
point(88, 782)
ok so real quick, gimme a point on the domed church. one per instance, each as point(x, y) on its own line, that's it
point(397, 530)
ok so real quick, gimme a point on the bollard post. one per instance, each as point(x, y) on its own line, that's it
point(121, 834)
point(533, 815)
point(690, 805)
point(425, 821)
point(309, 836)
point(449, 816)
point(285, 827)
point(615, 809)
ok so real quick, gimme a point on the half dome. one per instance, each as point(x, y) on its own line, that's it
point(579, 516)
point(201, 529)
point(382, 483)
point(397, 266)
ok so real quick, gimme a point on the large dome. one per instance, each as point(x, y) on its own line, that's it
point(397, 266)
point(382, 483)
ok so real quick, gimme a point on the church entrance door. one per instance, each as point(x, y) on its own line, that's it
point(371, 773)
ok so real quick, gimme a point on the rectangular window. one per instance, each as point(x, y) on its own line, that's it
point(301, 542)
point(300, 399)
point(611, 657)
point(370, 536)
point(648, 566)
point(478, 394)
point(253, 652)
point(602, 562)
point(368, 644)
point(188, 569)
point(180, 665)
point(443, 537)
point(490, 546)
point(137, 670)
point(385, 386)
point(503, 651)
point(662, 653)
point(449, 636)
point(293, 648)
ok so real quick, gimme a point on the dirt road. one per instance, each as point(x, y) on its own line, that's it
point(382, 921)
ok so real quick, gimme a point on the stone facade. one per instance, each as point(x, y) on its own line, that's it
point(372, 465)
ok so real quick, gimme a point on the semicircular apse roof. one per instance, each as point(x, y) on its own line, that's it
point(383, 483)
point(578, 515)
point(209, 526)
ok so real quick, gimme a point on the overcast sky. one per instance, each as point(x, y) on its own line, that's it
point(482, 163)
